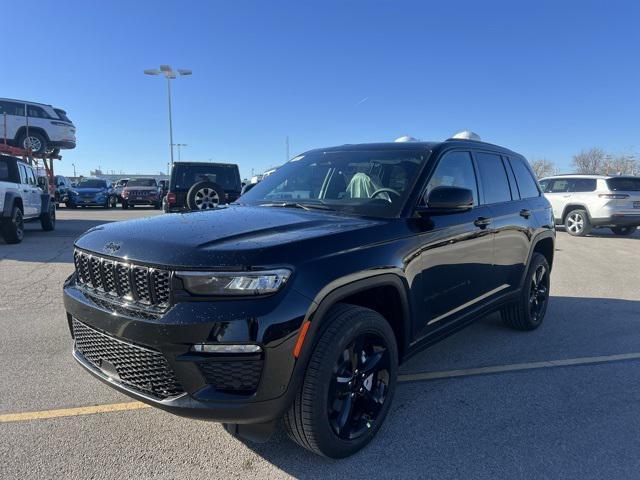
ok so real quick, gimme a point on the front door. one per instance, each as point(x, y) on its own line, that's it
point(11, 119)
point(456, 249)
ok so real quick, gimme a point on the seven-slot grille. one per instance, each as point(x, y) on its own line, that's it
point(142, 369)
point(149, 287)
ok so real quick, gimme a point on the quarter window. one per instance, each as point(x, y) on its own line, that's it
point(37, 112)
point(524, 178)
point(455, 169)
point(495, 184)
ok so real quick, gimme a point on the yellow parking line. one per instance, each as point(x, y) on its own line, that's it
point(409, 377)
point(71, 412)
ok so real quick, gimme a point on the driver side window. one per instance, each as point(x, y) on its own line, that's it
point(455, 169)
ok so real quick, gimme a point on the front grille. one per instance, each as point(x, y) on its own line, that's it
point(145, 287)
point(240, 376)
point(141, 369)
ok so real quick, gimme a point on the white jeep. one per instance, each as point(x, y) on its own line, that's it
point(584, 202)
point(21, 199)
point(40, 127)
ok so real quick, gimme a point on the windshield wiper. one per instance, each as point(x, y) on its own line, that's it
point(304, 206)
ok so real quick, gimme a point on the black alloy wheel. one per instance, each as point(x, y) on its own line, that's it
point(13, 229)
point(539, 293)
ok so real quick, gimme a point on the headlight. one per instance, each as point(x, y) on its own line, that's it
point(234, 283)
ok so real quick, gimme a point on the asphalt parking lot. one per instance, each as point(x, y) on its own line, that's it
point(488, 402)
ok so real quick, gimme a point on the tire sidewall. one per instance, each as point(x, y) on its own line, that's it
point(191, 194)
point(586, 228)
point(537, 260)
point(330, 444)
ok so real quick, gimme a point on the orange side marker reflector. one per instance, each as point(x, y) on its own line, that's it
point(301, 335)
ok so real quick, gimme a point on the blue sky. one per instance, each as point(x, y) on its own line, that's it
point(545, 78)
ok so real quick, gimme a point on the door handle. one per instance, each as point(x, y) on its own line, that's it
point(525, 213)
point(482, 222)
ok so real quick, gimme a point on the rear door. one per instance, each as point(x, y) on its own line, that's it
point(11, 118)
point(511, 220)
point(27, 181)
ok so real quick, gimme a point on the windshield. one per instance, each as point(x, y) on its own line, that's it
point(624, 184)
point(62, 114)
point(142, 182)
point(374, 183)
point(92, 183)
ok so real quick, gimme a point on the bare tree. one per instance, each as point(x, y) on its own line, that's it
point(624, 165)
point(589, 161)
point(543, 167)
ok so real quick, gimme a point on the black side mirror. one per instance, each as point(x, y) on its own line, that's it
point(444, 200)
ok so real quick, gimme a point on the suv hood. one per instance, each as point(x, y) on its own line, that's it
point(231, 237)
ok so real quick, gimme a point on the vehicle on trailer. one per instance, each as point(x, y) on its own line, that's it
point(141, 191)
point(299, 301)
point(36, 126)
point(584, 202)
point(92, 192)
point(22, 200)
point(119, 187)
point(62, 188)
point(202, 186)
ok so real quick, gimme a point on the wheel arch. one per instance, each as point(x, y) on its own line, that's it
point(574, 206)
point(543, 243)
point(23, 130)
point(10, 199)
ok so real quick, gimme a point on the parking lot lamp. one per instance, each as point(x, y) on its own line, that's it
point(169, 74)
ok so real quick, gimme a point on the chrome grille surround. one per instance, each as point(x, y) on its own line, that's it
point(128, 285)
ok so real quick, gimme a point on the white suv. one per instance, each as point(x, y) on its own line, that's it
point(583, 202)
point(41, 127)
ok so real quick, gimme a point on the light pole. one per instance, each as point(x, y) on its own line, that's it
point(179, 145)
point(169, 74)
point(74, 169)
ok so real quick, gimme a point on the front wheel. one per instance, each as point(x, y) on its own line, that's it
point(48, 220)
point(577, 223)
point(348, 386)
point(528, 312)
point(624, 231)
point(13, 228)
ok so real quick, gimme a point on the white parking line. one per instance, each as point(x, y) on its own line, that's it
point(514, 367)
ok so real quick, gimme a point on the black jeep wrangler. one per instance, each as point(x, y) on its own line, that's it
point(201, 186)
point(300, 301)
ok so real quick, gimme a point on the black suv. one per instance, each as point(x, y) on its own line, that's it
point(201, 186)
point(300, 301)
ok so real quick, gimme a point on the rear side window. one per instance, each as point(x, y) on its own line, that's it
point(455, 169)
point(524, 178)
point(582, 184)
point(624, 184)
point(495, 184)
point(4, 171)
point(557, 185)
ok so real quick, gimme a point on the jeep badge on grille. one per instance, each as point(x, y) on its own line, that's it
point(111, 247)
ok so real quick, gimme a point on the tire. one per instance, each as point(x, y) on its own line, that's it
point(309, 421)
point(48, 220)
point(113, 201)
point(12, 229)
point(36, 141)
point(577, 223)
point(204, 196)
point(534, 295)
point(107, 204)
point(125, 205)
point(624, 231)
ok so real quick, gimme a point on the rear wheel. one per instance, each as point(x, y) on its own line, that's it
point(34, 141)
point(577, 223)
point(348, 386)
point(48, 220)
point(529, 311)
point(13, 228)
point(624, 231)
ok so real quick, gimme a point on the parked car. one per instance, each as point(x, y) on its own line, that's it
point(21, 200)
point(62, 188)
point(300, 301)
point(37, 126)
point(141, 191)
point(201, 186)
point(92, 192)
point(584, 202)
point(119, 187)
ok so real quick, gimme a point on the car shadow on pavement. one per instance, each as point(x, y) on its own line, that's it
point(524, 424)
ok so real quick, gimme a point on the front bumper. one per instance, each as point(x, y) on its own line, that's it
point(65, 144)
point(91, 202)
point(271, 322)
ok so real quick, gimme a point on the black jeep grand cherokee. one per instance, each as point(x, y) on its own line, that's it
point(300, 300)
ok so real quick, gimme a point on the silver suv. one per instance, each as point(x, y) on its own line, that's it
point(584, 202)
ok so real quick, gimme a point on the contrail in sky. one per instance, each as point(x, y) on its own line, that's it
point(362, 101)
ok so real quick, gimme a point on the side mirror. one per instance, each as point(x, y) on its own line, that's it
point(445, 200)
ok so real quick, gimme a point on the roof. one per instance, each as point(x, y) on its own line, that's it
point(27, 101)
point(206, 163)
